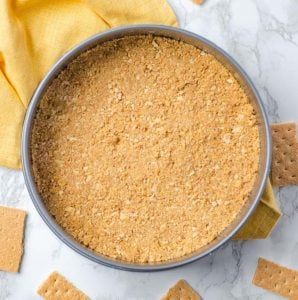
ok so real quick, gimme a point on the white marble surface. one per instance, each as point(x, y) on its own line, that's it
point(262, 35)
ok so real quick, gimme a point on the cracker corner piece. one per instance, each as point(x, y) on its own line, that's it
point(284, 169)
point(276, 279)
point(12, 221)
point(181, 291)
point(56, 287)
point(198, 1)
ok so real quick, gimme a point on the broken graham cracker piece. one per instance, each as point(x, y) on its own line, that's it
point(284, 154)
point(11, 238)
point(181, 291)
point(198, 1)
point(56, 287)
point(277, 279)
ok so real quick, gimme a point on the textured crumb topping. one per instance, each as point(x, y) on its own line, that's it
point(145, 149)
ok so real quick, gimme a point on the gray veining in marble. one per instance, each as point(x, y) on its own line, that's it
point(262, 35)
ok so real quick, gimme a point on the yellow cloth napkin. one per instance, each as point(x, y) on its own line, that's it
point(263, 219)
point(35, 33)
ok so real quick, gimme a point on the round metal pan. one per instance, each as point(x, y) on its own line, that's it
point(229, 63)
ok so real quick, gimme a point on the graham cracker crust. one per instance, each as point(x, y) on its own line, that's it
point(145, 149)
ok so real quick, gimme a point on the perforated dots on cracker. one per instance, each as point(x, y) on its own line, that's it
point(284, 169)
point(11, 238)
point(56, 287)
point(277, 279)
point(181, 291)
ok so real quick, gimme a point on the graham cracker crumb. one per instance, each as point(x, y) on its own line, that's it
point(143, 150)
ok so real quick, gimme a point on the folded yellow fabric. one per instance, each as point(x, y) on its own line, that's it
point(263, 219)
point(35, 33)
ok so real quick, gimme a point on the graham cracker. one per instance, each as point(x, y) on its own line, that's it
point(56, 287)
point(11, 238)
point(181, 291)
point(277, 279)
point(198, 1)
point(284, 154)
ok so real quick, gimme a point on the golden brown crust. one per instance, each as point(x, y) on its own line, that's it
point(145, 149)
